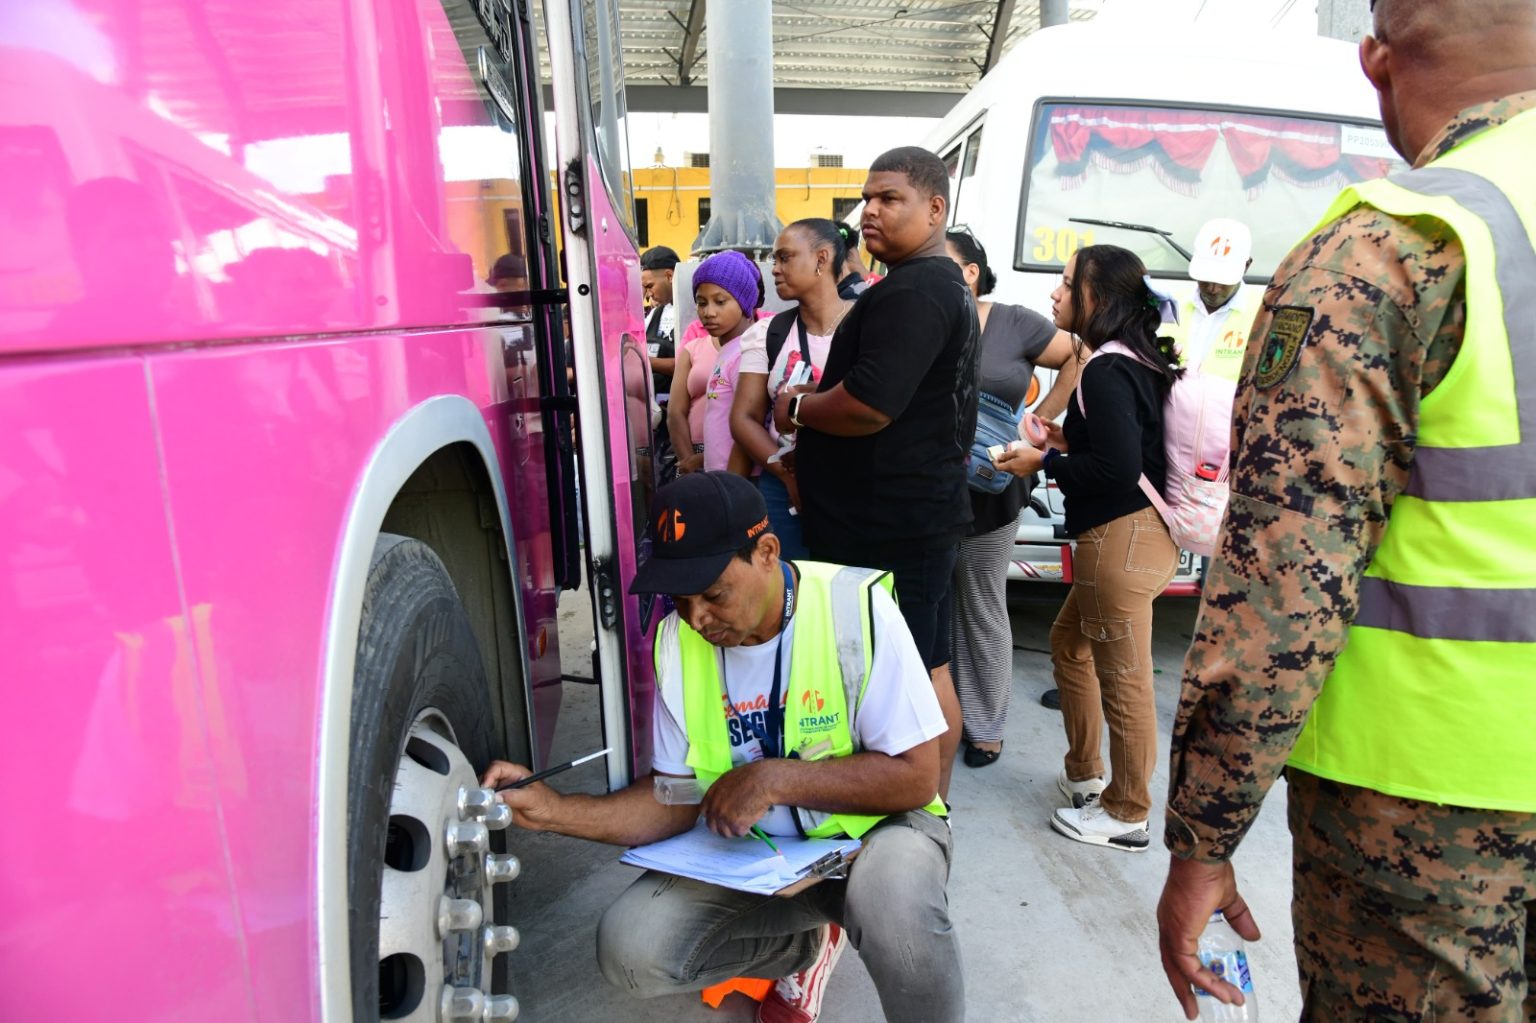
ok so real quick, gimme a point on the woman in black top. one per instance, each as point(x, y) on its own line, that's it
point(1014, 340)
point(1101, 643)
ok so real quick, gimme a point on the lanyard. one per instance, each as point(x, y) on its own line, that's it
point(771, 738)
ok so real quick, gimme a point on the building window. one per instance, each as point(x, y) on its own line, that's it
point(697, 159)
point(842, 207)
point(703, 213)
point(826, 160)
point(643, 222)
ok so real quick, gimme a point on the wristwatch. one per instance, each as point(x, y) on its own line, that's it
point(794, 410)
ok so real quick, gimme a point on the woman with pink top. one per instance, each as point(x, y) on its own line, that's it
point(807, 261)
point(727, 290)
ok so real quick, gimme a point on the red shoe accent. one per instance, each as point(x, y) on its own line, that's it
point(797, 998)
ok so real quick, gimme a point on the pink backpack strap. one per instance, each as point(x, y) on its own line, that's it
point(1107, 348)
point(1116, 348)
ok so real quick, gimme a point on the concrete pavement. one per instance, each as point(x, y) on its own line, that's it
point(1050, 930)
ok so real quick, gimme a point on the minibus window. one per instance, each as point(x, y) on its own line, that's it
point(1174, 168)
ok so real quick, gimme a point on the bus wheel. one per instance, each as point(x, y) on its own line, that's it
point(422, 879)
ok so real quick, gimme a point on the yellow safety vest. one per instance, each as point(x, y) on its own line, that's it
point(1434, 697)
point(1225, 357)
point(829, 666)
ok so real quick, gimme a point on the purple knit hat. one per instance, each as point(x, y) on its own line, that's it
point(734, 272)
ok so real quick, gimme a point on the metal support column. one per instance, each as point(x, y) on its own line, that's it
point(1349, 20)
point(741, 169)
point(1053, 12)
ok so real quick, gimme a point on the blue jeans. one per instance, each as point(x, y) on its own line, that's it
point(667, 935)
point(784, 525)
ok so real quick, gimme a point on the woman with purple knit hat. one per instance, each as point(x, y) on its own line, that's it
point(727, 291)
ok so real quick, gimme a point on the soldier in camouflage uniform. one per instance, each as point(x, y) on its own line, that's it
point(1404, 910)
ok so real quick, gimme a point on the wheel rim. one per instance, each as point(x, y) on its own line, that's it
point(437, 931)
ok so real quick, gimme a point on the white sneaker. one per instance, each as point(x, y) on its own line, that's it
point(1079, 793)
point(797, 997)
point(1092, 824)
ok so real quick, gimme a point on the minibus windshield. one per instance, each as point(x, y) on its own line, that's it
point(1173, 168)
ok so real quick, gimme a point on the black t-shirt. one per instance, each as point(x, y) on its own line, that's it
point(908, 348)
point(661, 347)
point(1110, 448)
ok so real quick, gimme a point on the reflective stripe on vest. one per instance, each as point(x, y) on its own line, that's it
point(1434, 695)
point(833, 638)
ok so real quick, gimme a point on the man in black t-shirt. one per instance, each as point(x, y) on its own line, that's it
point(657, 267)
point(882, 441)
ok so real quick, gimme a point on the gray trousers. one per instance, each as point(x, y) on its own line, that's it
point(982, 635)
point(668, 935)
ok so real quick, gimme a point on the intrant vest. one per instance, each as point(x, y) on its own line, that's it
point(1224, 359)
point(829, 664)
point(1434, 696)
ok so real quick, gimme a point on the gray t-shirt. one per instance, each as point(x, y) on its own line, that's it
point(1012, 340)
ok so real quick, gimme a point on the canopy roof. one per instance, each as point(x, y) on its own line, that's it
point(834, 56)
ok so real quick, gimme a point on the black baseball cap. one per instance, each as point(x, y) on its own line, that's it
point(697, 524)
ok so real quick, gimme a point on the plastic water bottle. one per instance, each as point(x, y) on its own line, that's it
point(1221, 952)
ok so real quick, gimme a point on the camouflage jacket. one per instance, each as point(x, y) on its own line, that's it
point(1360, 322)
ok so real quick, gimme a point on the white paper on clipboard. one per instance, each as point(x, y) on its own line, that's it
point(745, 864)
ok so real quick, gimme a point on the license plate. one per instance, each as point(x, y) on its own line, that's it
point(1189, 564)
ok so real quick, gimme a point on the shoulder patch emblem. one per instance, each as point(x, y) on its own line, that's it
point(1282, 347)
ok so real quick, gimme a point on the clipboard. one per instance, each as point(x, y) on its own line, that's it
point(831, 867)
point(743, 864)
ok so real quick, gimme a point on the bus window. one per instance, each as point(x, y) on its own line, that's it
point(963, 196)
point(479, 139)
point(960, 162)
point(605, 90)
point(1175, 168)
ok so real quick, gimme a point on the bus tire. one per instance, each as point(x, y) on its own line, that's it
point(422, 880)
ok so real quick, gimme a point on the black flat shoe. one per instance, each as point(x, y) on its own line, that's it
point(1051, 699)
point(975, 756)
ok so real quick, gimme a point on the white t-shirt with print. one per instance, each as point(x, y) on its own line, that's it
point(899, 710)
point(754, 358)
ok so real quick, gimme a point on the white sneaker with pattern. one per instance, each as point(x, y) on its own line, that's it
point(1092, 824)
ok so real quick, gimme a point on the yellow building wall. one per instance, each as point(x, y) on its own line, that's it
point(672, 194)
point(481, 213)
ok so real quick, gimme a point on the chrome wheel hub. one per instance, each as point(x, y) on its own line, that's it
point(437, 930)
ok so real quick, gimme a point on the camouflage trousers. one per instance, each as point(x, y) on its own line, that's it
point(1410, 912)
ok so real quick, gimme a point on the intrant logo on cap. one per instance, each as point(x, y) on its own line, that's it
point(1221, 246)
point(671, 527)
point(758, 529)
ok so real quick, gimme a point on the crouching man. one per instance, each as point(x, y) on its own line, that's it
point(795, 696)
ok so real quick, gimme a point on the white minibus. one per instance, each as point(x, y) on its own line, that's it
point(1098, 133)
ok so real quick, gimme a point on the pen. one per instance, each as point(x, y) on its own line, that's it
point(757, 832)
point(549, 771)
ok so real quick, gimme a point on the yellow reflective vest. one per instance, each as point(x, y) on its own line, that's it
point(829, 663)
point(1224, 358)
point(1434, 696)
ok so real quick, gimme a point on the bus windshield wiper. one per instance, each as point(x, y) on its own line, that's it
point(1166, 236)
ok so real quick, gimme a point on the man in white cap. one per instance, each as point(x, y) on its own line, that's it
point(1212, 332)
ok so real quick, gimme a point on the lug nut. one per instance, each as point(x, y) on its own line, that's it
point(467, 837)
point(458, 915)
point(462, 1005)
point(498, 816)
point(499, 1009)
point(501, 867)
point(476, 803)
point(500, 938)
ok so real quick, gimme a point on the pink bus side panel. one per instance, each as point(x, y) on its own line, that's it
point(263, 449)
point(115, 897)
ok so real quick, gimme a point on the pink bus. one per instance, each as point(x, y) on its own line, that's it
point(290, 384)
